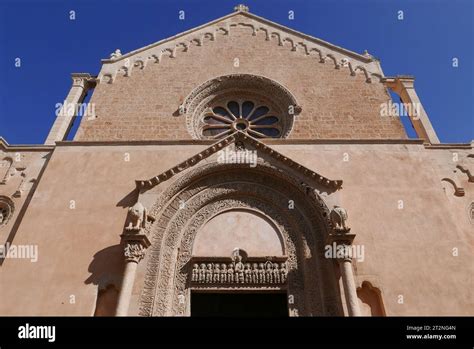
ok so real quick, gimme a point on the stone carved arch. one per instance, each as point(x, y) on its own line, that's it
point(208, 36)
point(6, 169)
point(366, 73)
point(214, 188)
point(304, 47)
point(334, 59)
point(291, 41)
point(222, 30)
point(457, 190)
point(278, 36)
point(139, 63)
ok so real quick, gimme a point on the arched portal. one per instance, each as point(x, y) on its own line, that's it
point(298, 217)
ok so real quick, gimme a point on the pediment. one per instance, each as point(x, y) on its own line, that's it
point(240, 138)
point(196, 38)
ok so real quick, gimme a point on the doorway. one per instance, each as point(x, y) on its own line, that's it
point(239, 304)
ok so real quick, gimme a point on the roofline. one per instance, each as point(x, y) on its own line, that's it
point(353, 54)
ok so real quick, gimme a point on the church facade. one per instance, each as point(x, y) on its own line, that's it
point(240, 167)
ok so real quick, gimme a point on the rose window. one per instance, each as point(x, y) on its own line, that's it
point(6, 209)
point(253, 118)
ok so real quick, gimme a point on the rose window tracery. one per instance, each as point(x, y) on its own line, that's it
point(6, 209)
point(256, 105)
point(252, 117)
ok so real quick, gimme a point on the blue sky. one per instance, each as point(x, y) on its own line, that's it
point(51, 46)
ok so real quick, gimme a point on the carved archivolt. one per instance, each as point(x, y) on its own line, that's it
point(297, 42)
point(206, 193)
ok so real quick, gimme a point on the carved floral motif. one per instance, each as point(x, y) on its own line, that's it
point(134, 252)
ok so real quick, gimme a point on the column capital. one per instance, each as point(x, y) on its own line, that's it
point(135, 246)
point(343, 245)
point(134, 252)
point(83, 80)
point(399, 83)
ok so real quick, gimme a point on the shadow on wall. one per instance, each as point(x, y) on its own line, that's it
point(128, 200)
point(370, 299)
point(106, 273)
point(25, 204)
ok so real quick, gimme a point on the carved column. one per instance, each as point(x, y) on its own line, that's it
point(134, 252)
point(341, 238)
point(347, 275)
point(81, 83)
point(404, 86)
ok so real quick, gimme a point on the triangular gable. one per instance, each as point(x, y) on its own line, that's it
point(144, 185)
point(179, 44)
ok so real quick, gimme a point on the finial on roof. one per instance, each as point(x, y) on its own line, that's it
point(366, 53)
point(241, 8)
point(116, 54)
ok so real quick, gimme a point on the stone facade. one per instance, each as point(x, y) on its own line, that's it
point(141, 210)
point(336, 103)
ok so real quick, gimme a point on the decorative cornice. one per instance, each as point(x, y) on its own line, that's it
point(299, 42)
point(24, 147)
point(268, 141)
point(236, 136)
point(450, 146)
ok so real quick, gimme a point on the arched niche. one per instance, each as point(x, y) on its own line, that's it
point(238, 228)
